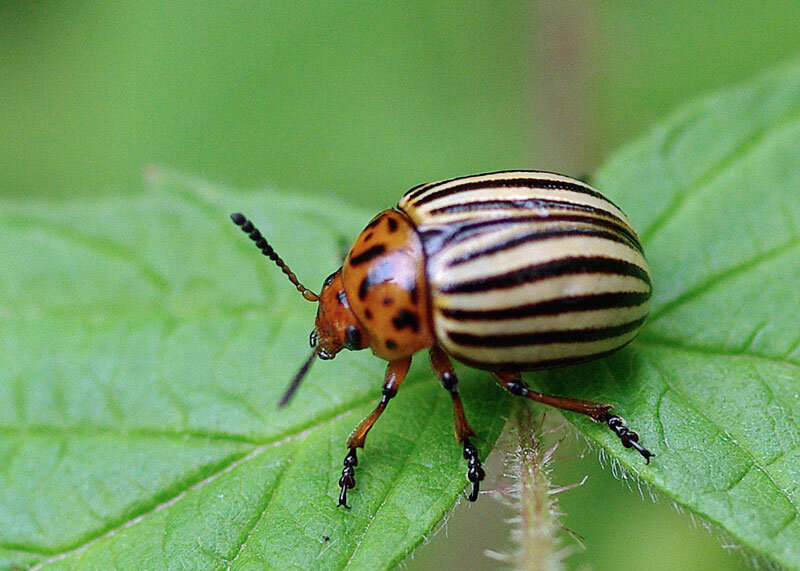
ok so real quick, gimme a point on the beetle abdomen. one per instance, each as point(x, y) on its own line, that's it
point(528, 270)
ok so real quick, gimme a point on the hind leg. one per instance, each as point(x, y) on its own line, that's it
point(599, 412)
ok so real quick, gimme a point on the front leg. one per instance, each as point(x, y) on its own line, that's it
point(395, 373)
point(444, 370)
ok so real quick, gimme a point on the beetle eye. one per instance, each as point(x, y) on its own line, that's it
point(312, 339)
point(352, 338)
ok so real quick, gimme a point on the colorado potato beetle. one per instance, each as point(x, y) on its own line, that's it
point(507, 272)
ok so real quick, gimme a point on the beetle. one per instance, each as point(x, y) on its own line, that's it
point(507, 272)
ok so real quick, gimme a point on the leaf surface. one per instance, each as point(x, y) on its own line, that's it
point(713, 383)
point(145, 343)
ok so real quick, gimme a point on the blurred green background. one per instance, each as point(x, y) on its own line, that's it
point(363, 100)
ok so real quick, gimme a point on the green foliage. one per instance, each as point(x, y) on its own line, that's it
point(145, 343)
point(713, 383)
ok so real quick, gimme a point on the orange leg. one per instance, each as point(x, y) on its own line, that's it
point(395, 373)
point(598, 412)
point(444, 370)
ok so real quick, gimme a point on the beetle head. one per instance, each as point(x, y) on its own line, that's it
point(336, 327)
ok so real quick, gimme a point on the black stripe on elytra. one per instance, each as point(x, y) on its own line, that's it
point(547, 270)
point(505, 366)
point(519, 204)
point(417, 190)
point(367, 255)
point(535, 236)
point(544, 337)
point(469, 230)
point(420, 188)
point(515, 182)
point(589, 302)
point(434, 238)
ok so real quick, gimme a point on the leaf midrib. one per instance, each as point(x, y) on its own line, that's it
point(297, 433)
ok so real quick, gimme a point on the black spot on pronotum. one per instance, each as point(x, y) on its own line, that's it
point(363, 289)
point(414, 294)
point(391, 345)
point(387, 301)
point(367, 314)
point(374, 222)
point(405, 318)
point(367, 255)
point(380, 272)
point(352, 338)
point(392, 225)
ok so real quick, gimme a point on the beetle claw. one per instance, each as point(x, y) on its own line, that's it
point(348, 479)
point(629, 438)
point(475, 472)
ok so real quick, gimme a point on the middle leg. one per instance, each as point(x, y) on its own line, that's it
point(444, 370)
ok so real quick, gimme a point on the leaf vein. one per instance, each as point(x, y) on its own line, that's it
point(699, 411)
point(682, 194)
point(300, 434)
point(423, 428)
point(656, 341)
point(713, 280)
point(102, 246)
point(267, 503)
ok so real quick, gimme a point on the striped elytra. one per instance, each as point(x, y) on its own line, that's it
point(528, 270)
point(508, 272)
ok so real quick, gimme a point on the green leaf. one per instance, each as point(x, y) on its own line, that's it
point(145, 343)
point(713, 383)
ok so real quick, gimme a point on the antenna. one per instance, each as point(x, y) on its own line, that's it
point(261, 243)
point(297, 378)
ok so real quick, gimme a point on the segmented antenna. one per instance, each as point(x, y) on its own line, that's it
point(261, 243)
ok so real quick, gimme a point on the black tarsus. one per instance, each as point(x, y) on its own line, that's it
point(475, 473)
point(629, 438)
point(348, 479)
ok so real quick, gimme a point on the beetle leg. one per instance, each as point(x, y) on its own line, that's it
point(395, 373)
point(598, 412)
point(444, 370)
